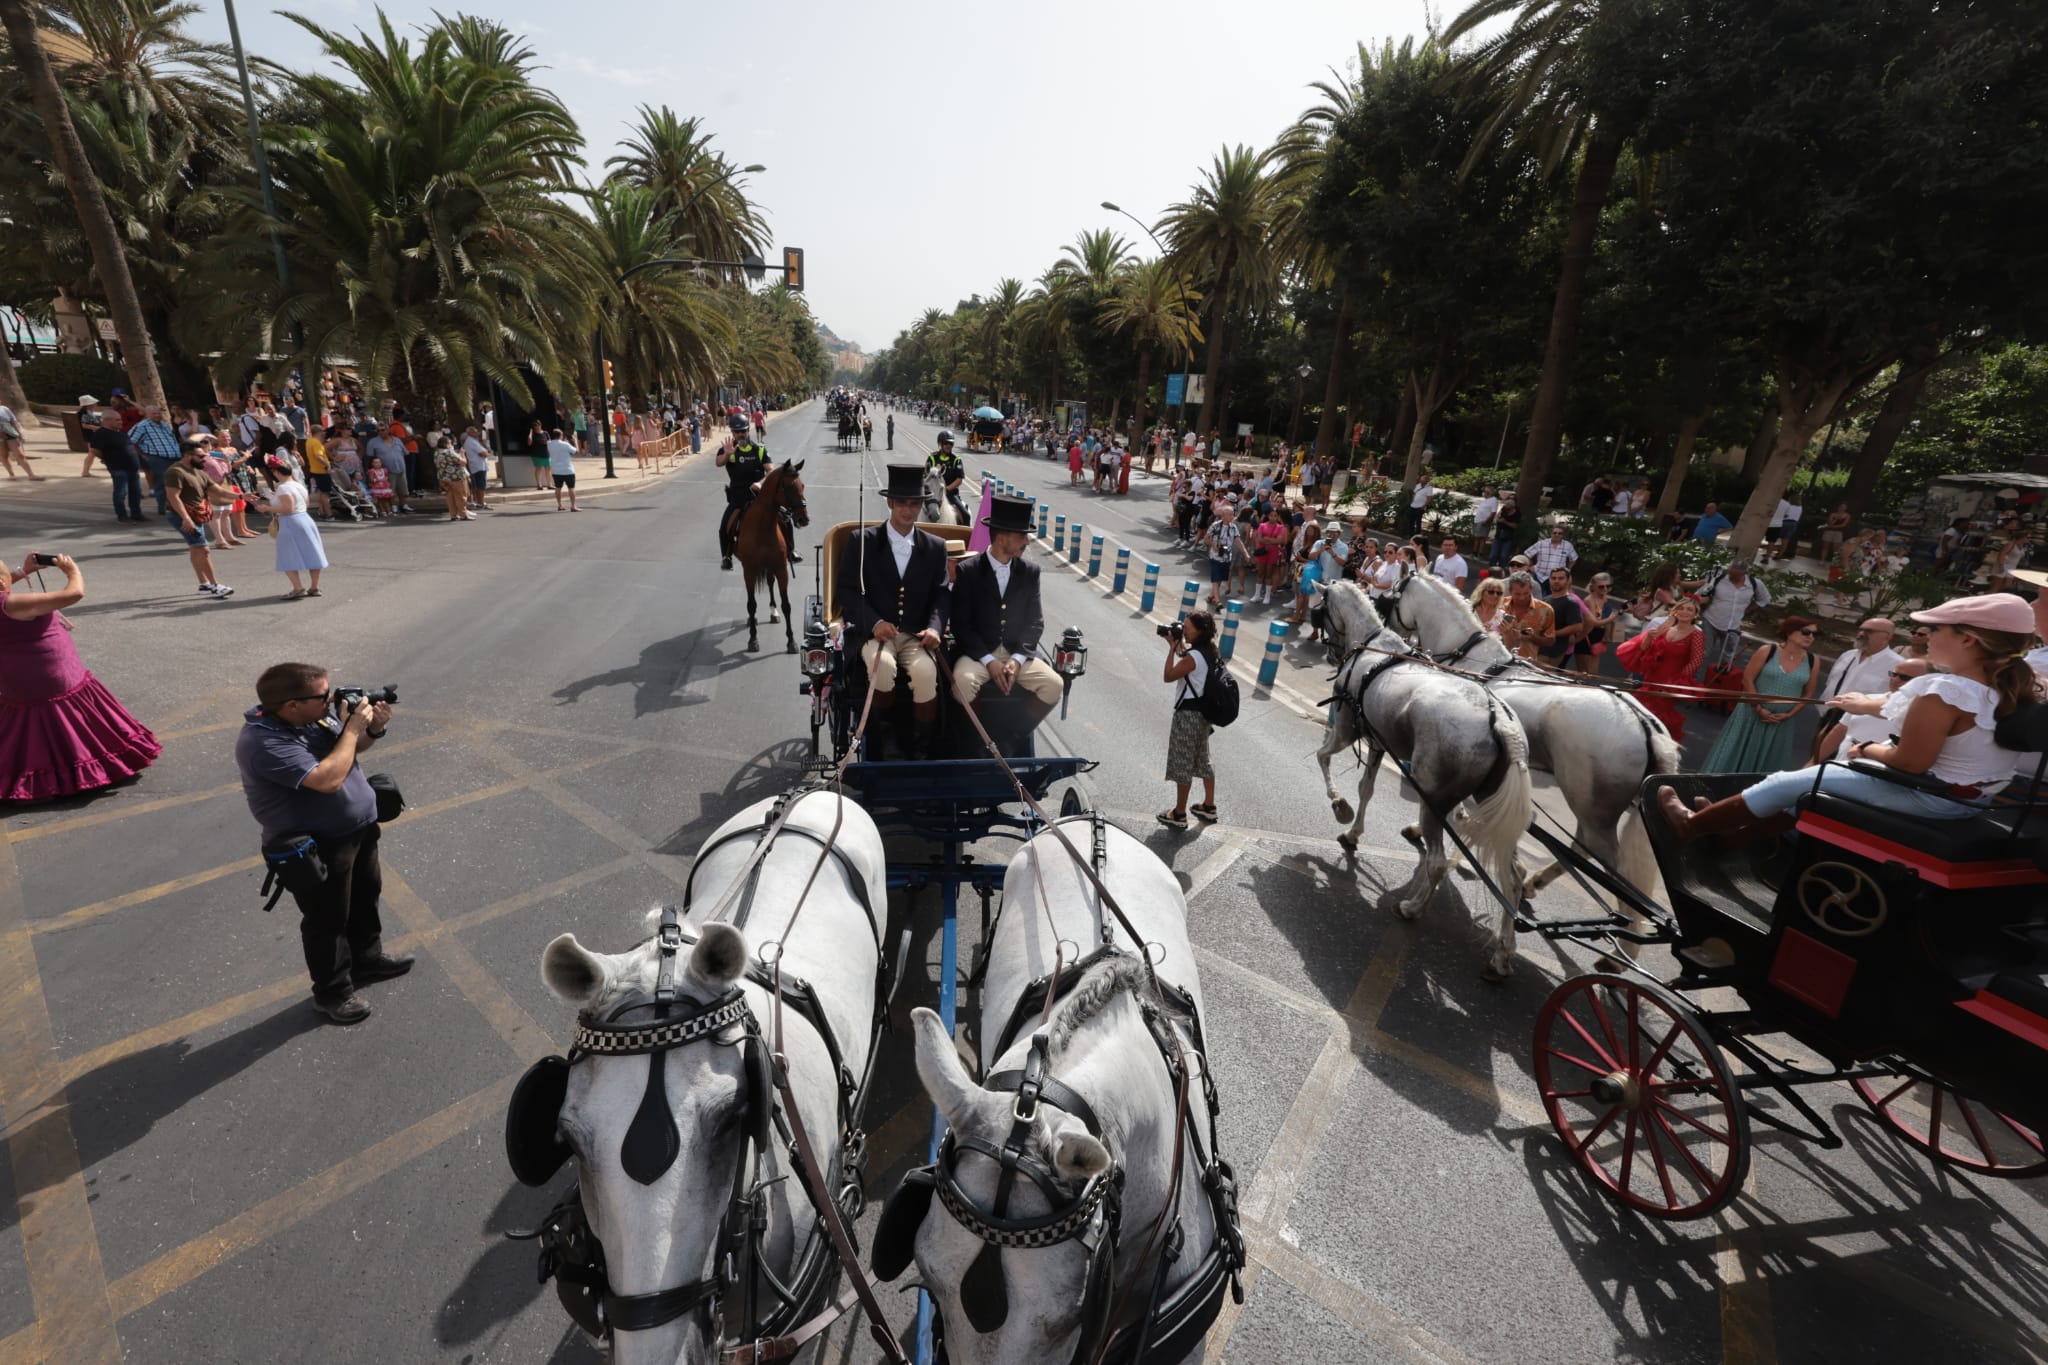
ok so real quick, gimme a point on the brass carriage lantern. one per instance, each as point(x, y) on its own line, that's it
point(817, 657)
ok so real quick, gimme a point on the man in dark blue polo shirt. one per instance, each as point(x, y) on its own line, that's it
point(301, 779)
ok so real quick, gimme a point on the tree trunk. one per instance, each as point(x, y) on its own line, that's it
point(1546, 419)
point(1404, 422)
point(97, 221)
point(1214, 365)
point(1681, 460)
point(1804, 407)
point(1329, 428)
point(1766, 438)
point(1138, 411)
point(1891, 419)
point(1428, 397)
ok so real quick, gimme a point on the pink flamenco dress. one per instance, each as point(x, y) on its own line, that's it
point(61, 731)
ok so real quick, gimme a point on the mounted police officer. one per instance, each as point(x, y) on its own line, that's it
point(946, 467)
point(997, 620)
point(892, 591)
point(745, 463)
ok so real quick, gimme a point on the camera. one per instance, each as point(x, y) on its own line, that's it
point(41, 560)
point(1171, 632)
point(345, 698)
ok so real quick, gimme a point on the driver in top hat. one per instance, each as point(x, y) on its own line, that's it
point(893, 593)
point(951, 473)
point(745, 462)
point(997, 617)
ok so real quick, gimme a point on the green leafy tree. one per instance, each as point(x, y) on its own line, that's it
point(1218, 237)
point(1152, 307)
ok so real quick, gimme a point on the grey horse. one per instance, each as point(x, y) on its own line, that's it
point(1459, 744)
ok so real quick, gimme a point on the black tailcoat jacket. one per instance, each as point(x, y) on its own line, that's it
point(917, 600)
point(984, 619)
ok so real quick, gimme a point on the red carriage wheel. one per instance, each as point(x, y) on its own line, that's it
point(1640, 1094)
point(1961, 1132)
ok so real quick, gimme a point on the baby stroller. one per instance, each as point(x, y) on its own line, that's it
point(349, 501)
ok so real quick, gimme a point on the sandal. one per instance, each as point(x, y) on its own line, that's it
point(1206, 814)
point(312, 592)
point(1173, 819)
point(295, 594)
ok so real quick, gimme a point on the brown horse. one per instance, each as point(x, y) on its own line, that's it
point(763, 548)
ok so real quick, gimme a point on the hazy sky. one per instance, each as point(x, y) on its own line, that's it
point(917, 151)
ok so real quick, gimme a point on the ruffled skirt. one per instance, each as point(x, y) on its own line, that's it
point(78, 742)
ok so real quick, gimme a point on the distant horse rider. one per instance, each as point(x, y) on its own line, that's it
point(893, 593)
point(946, 465)
point(997, 620)
point(745, 463)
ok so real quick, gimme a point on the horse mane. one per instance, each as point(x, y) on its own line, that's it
point(1431, 583)
point(1100, 984)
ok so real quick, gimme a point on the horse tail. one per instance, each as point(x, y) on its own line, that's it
point(1636, 861)
point(1498, 819)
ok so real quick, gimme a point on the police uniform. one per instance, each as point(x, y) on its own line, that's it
point(997, 616)
point(915, 598)
point(946, 465)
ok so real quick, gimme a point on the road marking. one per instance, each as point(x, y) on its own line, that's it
point(528, 1040)
point(1357, 1309)
point(165, 736)
point(182, 1265)
point(67, 1281)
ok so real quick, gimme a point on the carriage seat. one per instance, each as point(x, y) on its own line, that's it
point(1986, 838)
point(835, 548)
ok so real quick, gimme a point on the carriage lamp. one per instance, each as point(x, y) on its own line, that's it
point(817, 657)
point(1070, 660)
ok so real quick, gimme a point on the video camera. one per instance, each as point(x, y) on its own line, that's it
point(344, 699)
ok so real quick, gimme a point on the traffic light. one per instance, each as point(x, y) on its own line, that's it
point(793, 268)
point(609, 382)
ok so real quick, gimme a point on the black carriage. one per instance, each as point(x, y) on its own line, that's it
point(1906, 957)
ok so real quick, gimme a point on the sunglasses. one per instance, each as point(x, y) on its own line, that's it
point(1897, 676)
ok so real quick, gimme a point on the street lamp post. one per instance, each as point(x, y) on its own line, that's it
point(1188, 351)
point(604, 398)
point(1300, 382)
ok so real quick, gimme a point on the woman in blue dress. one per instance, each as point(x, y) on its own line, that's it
point(299, 549)
point(1758, 737)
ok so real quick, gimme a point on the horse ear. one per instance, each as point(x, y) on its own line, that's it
point(797, 468)
point(572, 973)
point(1077, 1154)
point(720, 955)
point(939, 1067)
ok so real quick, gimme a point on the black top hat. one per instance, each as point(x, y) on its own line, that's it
point(905, 481)
point(1008, 514)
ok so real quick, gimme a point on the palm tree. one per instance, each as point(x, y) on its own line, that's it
point(1539, 79)
point(88, 201)
point(998, 321)
point(1153, 306)
point(428, 237)
point(673, 157)
point(1218, 235)
point(660, 322)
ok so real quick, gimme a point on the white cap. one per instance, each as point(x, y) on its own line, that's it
point(86, 400)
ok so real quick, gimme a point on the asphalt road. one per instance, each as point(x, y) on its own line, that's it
point(197, 1170)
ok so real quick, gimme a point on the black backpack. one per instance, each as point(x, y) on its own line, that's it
point(1219, 695)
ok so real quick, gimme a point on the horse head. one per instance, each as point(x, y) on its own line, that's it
point(658, 1128)
point(1349, 619)
point(1430, 612)
point(1036, 1211)
point(788, 489)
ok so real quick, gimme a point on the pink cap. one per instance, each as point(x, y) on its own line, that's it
point(1993, 611)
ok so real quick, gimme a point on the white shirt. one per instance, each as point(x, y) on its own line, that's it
point(1546, 555)
point(1778, 516)
point(1482, 512)
point(1621, 502)
point(490, 420)
point(1195, 683)
point(1972, 758)
point(1002, 573)
point(1854, 673)
point(561, 457)
point(1451, 568)
point(477, 453)
point(1424, 491)
point(1335, 553)
point(899, 546)
point(1730, 600)
point(1381, 578)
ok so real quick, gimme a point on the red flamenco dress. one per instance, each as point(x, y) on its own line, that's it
point(1660, 659)
point(61, 731)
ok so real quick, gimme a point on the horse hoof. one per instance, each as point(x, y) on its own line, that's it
point(1347, 843)
point(1497, 972)
point(1342, 810)
point(753, 646)
point(1408, 909)
point(1413, 834)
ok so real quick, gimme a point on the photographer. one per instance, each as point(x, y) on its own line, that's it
point(302, 781)
point(1190, 655)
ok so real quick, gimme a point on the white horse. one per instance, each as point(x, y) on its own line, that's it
point(1060, 1297)
point(1459, 744)
point(1597, 742)
point(938, 508)
point(662, 1229)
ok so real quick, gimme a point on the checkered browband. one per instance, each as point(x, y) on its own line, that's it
point(626, 1039)
point(1004, 1233)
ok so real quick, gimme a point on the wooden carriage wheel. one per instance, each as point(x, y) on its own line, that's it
point(1952, 1129)
point(1639, 1092)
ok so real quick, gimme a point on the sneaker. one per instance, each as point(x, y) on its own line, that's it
point(208, 588)
point(221, 591)
point(1173, 819)
point(382, 967)
point(349, 1009)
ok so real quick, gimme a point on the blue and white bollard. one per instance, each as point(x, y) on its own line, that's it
point(1074, 537)
point(1269, 668)
point(1095, 557)
point(1189, 595)
point(1123, 570)
point(1150, 595)
point(1059, 533)
point(1232, 611)
point(1044, 518)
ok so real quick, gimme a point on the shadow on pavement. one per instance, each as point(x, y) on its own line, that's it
point(769, 773)
point(659, 680)
point(501, 1281)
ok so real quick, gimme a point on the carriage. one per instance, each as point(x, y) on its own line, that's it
point(1906, 957)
